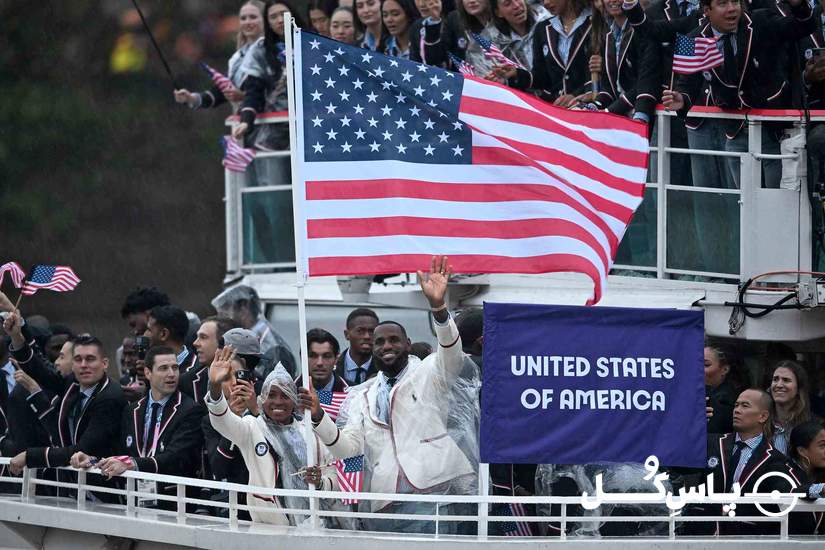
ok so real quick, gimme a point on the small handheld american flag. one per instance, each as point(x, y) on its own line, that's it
point(491, 51)
point(331, 402)
point(462, 66)
point(60, 278)
point(516, 528)
point(351, 476)
point(235, 157)
point(692, 55)
point(222, 82)
point(15, 272)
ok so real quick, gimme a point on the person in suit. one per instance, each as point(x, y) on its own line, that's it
point(629, 84)
point(160, 433)
point(167, 326)
point(322, 352)
point(224, 459)
point(89, 405)
point(751, 76)
point(194, 382)
point(397, 419)
point(355, 364)
point(561, 53)
point(744, 456)
point(807, 450)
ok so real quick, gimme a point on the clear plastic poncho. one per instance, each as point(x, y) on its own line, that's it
point(289, 444)
point(617, 477)
point(461, 415)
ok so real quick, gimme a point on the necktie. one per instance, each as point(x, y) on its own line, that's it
point(74, 415)
point(683, 9)
point(734, 463)
point(391, 382)
point(149, 438)
point(731, 70)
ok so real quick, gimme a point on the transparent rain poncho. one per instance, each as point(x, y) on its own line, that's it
point(288, 443)
point(459, 412)
point(616, 478)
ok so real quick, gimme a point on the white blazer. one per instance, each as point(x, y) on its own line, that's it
point(248, 436)
point(415, 441)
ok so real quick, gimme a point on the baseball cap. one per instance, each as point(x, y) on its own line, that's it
point(244, 341)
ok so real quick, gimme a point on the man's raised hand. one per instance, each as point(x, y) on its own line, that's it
point(434, 283)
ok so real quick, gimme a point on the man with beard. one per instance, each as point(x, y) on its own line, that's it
point(398, 419)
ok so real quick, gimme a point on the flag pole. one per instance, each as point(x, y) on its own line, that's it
point(301, 268)
point(155, 44)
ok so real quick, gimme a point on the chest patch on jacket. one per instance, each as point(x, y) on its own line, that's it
point(261, 449)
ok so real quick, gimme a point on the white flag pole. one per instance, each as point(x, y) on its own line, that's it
point(294, 89)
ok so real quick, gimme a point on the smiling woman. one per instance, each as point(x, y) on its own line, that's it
point(272, 443)
point(790, 392)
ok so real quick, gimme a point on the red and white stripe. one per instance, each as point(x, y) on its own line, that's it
point(222, 82)
point(15, 272)
point(706, 55)
point(333, 409)
point(236, 158)
point(522, 528)
point(63, 280)
point(349, 482)
point(548, 190)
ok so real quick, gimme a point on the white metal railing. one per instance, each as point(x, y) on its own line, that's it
point(756, 254)
point(482, 519)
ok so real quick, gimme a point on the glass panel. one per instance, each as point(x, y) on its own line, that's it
point(268, 235)
point(638, 247)
point(703, 231)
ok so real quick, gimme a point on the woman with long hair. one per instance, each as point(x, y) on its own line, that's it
point(265, 85)
point(398, 16)
point(319, 13)
point(721, 386)
point(807, 449)
point(368, 24)
point(560, 68)
point(513, 25)
point(251, 18)
point(789, 389)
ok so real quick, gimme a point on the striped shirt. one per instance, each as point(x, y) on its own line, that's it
point(750, 446)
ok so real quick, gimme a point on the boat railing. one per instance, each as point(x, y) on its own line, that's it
point(179, 504)
point(684, 229)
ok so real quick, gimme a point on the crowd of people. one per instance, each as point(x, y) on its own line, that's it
point(602, 55)
point(222, 399)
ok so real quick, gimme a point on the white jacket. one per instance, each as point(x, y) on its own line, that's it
point(415, 441)
point(247, 435)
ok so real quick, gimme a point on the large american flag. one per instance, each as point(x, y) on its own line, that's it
point(400, 161)
point(59, 278)
point(692, 55)
point(331, 401)
point(15, 272)
point(350, 476)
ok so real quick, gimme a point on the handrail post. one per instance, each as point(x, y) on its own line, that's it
point(27, 487)
point(130, 498)
point(233, 510)
point(483, 507)
point(663, 179)
point(81, 490)
point(563, 530)
point(181, 502)
point(671, 527)
point(437, 515)
point(783, 527)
